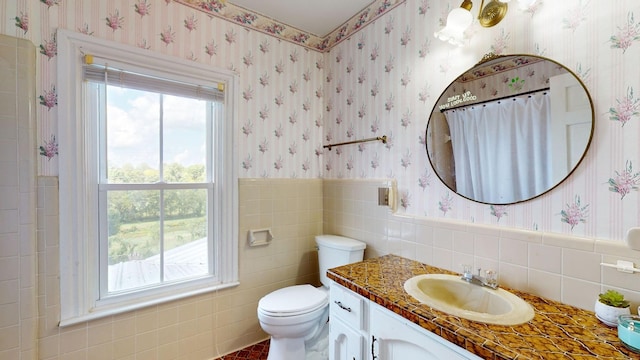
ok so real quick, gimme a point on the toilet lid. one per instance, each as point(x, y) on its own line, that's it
point(293, 300)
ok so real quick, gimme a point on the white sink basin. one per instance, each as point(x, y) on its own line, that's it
point(454, 296)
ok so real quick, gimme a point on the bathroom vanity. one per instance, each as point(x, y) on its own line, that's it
point(373, 318)
point(361, 329)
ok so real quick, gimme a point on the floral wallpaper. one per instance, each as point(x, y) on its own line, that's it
point(281, 82)
point(387, 78)
point(380, 76)
point(507, 81)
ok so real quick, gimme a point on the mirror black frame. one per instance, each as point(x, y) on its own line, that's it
point(491, 58)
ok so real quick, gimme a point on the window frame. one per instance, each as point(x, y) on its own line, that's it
point(79, 174)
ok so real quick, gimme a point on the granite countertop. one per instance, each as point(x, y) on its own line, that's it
point(557, 331)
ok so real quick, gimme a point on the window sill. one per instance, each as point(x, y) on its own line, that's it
point(104, 312)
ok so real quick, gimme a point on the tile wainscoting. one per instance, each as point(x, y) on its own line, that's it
point(202, 327)
point(561, 268)
point(18, 165)
point(553, 266)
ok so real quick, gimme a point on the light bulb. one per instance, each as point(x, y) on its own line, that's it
point(459, 18)
point(458, 21)
point(525, 4)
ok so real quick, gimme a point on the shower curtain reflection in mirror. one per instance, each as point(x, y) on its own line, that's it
point(502, 149)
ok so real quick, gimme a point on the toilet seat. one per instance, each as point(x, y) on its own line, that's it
point(293, 301)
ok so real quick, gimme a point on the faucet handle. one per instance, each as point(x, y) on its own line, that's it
point(491, 277)
point(466, 271)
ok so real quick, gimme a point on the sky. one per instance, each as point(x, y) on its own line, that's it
point(133, 128)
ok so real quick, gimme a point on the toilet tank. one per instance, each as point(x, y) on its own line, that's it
point(334, 251)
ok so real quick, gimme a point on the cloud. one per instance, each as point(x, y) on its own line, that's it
point(184, 113)
point(133, 128)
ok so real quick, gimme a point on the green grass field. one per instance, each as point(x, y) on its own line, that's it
point(141, 240)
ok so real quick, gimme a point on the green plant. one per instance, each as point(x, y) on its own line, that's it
point(613, 298)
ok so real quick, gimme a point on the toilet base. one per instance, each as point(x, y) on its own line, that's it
point(286, 349)
point(315, 348)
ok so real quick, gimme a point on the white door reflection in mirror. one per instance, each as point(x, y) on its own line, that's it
point(571, 111)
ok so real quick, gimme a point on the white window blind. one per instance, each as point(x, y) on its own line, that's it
point(105, 73)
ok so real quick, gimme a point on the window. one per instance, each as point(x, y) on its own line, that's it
point(148, 193)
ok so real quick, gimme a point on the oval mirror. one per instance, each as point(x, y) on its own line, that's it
point(509, 129)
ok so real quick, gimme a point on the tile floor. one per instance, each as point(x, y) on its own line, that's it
point(258, 351)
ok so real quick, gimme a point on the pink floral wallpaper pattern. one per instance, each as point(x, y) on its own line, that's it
point(379, 76)
point(394, 70)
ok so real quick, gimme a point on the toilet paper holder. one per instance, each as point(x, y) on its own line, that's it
point(259, 237)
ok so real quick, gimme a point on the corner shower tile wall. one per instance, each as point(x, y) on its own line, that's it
point(17, 200)
point(558, 267)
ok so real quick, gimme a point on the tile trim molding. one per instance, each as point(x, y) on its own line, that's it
point(600, 246)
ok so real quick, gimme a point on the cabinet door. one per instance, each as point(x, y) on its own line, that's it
point(345, 343)
point(395, 338)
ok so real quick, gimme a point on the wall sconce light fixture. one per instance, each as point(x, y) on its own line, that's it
point(459, 19)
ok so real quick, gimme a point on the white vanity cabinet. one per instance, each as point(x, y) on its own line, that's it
point(363, 330)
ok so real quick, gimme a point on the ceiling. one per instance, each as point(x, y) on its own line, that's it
point(312, 16)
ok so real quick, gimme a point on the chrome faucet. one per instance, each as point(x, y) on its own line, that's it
point(490, 278)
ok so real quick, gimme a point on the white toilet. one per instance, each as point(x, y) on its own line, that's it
point(296, 315)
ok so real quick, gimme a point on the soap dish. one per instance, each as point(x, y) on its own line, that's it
point(629, 331)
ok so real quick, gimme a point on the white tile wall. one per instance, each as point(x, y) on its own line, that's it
point(559, 267)
point(202, 327)
point(18, 287)
point(210, 325)
point(214, 324)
